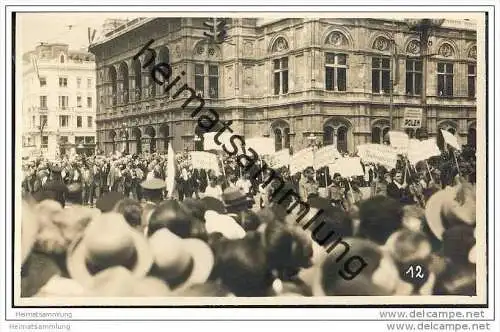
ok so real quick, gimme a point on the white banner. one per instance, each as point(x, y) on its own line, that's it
point(450, 139)
point(278, 159)
point(378, 154)
point(399, 141)
point(422, 150)
point(261, 145)
point(412, 118)
point(347, 167)
point(209, 142)
point(205, 160)
point(301, 160)
point(325, 156)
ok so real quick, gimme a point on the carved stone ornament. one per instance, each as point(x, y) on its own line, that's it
point(200, 50)
point(446, 50)
point(280, 45)
point(248, 48)
point(211, 52)
point(230, 81)
point(413, 47)
point(336, 39)
point(248, 76)
point(473, 52)
point(381, 44)
point(178, 51)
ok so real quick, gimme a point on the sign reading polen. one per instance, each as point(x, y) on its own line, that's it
point(412, 118)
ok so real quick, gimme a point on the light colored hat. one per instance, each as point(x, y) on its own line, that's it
point(222, 223)
point(108, 241)
point(173, 256)
point(29, 231)
point(458, 203)
point(118, 281)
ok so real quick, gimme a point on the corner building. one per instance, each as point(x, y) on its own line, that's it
point(291, 79)
point(58, 102)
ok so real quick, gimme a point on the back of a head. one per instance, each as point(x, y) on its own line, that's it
point(131, 210)
point(380, 216)
point(169, 214)
point(457, 243)
point(338, 277)
point(243, 267)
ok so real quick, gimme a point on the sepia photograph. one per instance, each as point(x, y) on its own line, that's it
point(249, 159)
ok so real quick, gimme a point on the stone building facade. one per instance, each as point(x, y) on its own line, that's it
point(297, 80)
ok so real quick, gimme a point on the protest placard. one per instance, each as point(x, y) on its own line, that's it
point(412, 118)
point(347, 167)
point(378, 154)
point(209, 142)
point(278, 159)
point(399, 141)
point(261, 145)
point(205, 160)
point(422, 150)
point(325, 156)
point(300, 160)
point(450, 139)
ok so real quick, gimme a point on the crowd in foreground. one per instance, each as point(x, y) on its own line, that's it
point(107, 226)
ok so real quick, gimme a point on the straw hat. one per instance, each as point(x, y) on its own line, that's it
point(108, 241)
point(174, 257)
point(118, 281)
point(456, 203)
point(29, 231)
point(224, 224)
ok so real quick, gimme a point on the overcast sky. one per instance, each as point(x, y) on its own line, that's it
point(54, 28)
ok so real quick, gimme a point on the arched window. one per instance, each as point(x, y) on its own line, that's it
point(376, 135)
point(328, 135)
point(286, 134)
point(278, 137)
point(471, 137)
point(61, 59)
point(342, 139)
point(137, 79)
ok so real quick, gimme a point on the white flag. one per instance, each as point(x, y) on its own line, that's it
point(170, 180)
point(450, 139)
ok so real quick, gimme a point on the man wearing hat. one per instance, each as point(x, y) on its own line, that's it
point(153, 190)
point(307, 185)
point(55, 185)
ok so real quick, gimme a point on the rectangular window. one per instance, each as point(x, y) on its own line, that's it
point(63, 82)
point(43, 121)
point(78, 122)
point(43, 102)
point(381, 75)
point(89, 83)
point(199, 79)
point(281, 76)
point(89, 139)
point(78, 101)
point(63, 121)
point(413, 77)
point(90, 122)
point(45, 142)
point(64, 139)
point(445, 79)
point(213, 81)
point(63, 102)
point(43, 81)
point(78, 82)
point(335, 72)
point(471, 81)
point(79, 140)
point(89, 102)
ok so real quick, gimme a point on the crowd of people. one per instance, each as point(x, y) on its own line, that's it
point(107, 226)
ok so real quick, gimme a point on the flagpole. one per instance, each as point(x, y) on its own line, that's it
point(429, 169)
point(456, 161)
